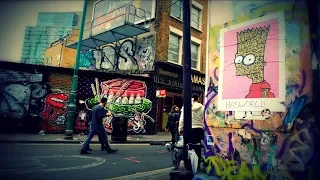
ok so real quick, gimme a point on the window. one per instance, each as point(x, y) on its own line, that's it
point(58, 59)
point(50, 61)
point(174, 48)
point(196, 11)
point(194, 55)
point(195, 17)
point(175, 51)
point(176, 9)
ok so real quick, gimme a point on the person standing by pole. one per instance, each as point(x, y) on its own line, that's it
point(197, 123)
point(173, 118)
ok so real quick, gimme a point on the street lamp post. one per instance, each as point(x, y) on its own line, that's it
point(186, 72)
point(72, 105)
point(181, 172)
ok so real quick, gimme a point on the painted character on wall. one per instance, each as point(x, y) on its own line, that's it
point(125, 97)
point(128, 97)
point(249, 60)
point(54, 112)
point(81, 122)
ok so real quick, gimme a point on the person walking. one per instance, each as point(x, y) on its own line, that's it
point(197, 123)
point(173, 119)
point(96, 127)
point(99, 137)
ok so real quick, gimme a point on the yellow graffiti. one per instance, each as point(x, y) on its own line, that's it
point(243, 18)
point(228, 169)
point(214, 32)
point(215, 59)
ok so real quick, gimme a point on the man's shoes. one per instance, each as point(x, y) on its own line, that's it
point(83, 151)
point(112, 150)
point(103, 148)
point(88, 149)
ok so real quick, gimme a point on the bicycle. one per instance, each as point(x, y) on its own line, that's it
point(177, 153)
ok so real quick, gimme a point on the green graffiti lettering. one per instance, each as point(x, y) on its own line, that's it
point(229, 170)
point(257, 174)
point(244, 172)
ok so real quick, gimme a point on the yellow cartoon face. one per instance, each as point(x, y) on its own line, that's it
point(248, 64)
point(249, 59)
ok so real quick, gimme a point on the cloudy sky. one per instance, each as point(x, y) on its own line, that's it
point(15, 15)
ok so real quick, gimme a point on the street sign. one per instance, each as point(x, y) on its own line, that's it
point(161, 93)
point(36, 77)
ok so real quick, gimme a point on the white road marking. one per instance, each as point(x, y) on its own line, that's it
point(39, 167)
point(56, 144)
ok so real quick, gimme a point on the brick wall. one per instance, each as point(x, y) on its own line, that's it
point(163, 31)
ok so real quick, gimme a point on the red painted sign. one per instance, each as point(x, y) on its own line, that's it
point(161, 93)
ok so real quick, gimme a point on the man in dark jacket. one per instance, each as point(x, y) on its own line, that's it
point(98, 113)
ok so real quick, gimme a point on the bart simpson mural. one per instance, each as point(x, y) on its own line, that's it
point(249, 60)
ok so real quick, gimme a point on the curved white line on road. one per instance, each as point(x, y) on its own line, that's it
point(98, 162)
point(65, 144)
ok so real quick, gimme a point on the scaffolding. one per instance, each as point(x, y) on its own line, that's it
point(124, 22)
point(112, 27)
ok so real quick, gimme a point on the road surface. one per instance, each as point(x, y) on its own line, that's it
point(63, 161)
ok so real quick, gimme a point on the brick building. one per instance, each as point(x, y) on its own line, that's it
point(59, 55)
point(169, 56)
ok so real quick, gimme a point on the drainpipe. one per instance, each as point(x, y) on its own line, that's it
point(62, 44)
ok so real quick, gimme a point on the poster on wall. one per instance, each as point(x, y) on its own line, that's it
point(252, 65)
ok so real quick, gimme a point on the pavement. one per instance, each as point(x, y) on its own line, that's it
point(161, 174)
point(159, 139)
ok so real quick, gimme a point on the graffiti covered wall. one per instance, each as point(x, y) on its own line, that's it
point(258, 121)
point(129, 55)
point(130, 97)
point(30, 102)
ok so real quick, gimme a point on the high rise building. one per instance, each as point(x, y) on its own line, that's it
point(50, 27)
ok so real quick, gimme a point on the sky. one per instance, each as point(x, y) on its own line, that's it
point(15, 15)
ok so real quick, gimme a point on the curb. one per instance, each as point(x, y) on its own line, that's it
point(79, 142)
point(143, 174)
point(158, 142)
